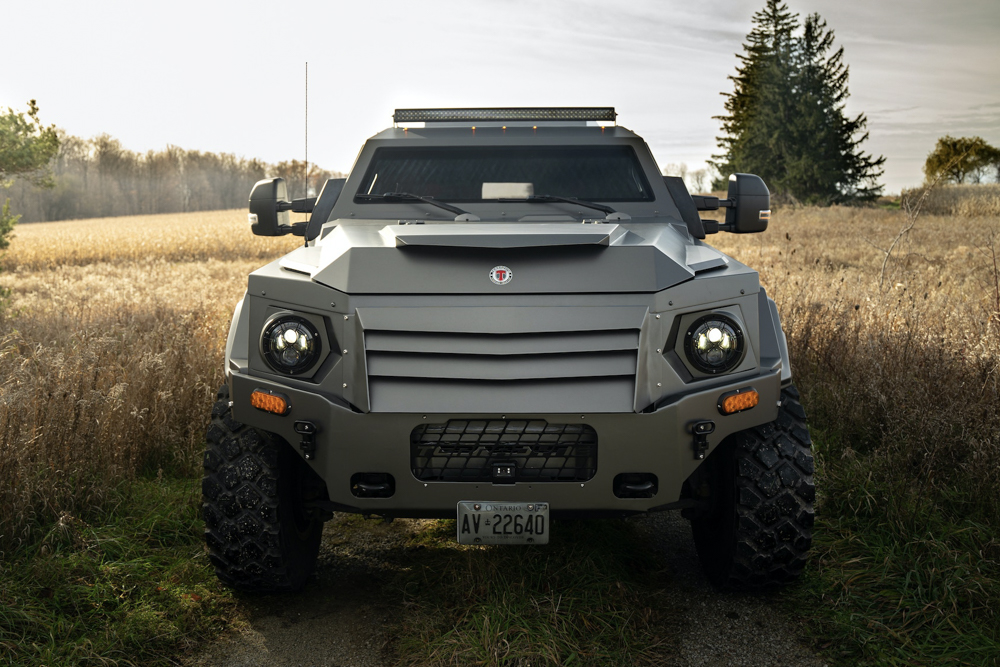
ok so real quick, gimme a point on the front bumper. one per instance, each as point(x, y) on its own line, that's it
point(657, 442)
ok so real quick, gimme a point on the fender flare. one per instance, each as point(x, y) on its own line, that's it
point(238, 341)
point(773, 343)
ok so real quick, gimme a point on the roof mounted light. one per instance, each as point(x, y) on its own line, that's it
point(504, 114)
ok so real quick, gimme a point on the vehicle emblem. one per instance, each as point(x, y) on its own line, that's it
point(501, 275)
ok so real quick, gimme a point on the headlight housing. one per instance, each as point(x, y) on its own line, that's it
point(714, 344)
point(290, 344)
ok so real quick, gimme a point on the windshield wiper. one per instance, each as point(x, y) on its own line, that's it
point(568, 200)
point(406, 196)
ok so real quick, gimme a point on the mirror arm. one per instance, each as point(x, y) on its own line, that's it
point(706, 203)
point(298, 205)
point(714, 226)
point(295, 229)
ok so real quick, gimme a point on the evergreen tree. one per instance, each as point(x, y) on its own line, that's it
point(758, 106)
point(786, 119)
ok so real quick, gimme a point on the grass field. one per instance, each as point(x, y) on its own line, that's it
point(111, 348)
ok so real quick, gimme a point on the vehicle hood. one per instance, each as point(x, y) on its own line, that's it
point(375, 257)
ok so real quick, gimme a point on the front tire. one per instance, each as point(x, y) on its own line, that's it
point(261, 538)
point(759, 530)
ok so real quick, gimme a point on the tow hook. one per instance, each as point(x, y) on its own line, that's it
point(701, 431)
point(308, 431)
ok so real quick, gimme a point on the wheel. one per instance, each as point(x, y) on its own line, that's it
point(261, 538)
point(759, 529)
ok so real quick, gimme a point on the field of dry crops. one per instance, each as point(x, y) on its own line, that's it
point(111, 349)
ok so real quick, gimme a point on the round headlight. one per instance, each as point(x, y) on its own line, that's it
point(290, 344)
point(714, 344)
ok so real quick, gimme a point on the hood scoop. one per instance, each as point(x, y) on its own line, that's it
point(502, 235)
point(704, 258)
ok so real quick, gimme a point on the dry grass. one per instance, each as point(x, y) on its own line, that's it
point(907, 372)
point(902, 386)
point(171, 237)
point(110, 350)
point(112, 346)
point(965, 201)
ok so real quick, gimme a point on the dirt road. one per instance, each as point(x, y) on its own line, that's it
point(345, 617)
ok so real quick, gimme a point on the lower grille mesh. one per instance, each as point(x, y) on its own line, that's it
point(467, 451)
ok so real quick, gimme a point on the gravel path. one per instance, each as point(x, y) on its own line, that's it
point(720, 629)
point(344, 617)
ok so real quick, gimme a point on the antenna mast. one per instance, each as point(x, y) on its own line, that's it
point(307, 130)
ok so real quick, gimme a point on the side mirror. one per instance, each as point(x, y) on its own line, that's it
point(266, 216)
point(750, 209)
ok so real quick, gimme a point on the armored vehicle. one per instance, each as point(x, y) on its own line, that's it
point(507, 317)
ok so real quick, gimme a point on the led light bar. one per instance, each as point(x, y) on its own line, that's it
point(502, 114)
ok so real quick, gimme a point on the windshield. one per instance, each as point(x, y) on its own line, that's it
point(481, 174)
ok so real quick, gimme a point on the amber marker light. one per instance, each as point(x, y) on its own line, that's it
point(738, 401)
point(268, 401)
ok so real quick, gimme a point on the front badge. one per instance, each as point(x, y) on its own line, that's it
point(501, 275)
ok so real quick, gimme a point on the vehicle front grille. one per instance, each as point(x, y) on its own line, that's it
point(501, 360)
point(471, 451)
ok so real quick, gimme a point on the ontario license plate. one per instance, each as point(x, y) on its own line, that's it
point(481, 522)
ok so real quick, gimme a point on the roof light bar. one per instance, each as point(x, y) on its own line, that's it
point(502, 114)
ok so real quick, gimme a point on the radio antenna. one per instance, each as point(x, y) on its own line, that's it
point(305, 195)
point(307, 130)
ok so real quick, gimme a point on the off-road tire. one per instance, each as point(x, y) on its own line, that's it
point(260, 536)
point(759, 530)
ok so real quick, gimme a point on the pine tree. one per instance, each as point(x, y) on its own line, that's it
point(758, 106)
point(786, 119)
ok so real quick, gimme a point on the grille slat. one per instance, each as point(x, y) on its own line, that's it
point(522, 367)
point(500, 344)
point(466, 451)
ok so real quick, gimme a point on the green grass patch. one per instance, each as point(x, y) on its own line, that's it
point(132, 587)
point(895, 579)
point(588, 598)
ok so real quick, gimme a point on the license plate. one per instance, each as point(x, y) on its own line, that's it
point(482, 522)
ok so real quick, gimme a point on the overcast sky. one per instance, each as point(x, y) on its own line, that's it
point(228, 76)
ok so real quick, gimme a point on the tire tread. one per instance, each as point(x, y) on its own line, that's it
point(767, 541)
point(240, 506)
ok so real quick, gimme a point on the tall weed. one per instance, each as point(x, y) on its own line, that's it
point(902, 386)
point(110, 353)
point(964, 201)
